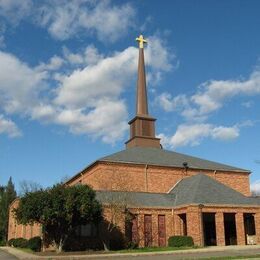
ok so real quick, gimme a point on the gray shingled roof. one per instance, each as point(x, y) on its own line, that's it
point(157, 156)
point(202, 189)
point(198, 189)
point(136, 199)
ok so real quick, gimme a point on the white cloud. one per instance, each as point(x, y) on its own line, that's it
point(106, 121)
point(107, 78)
point(8, 127)
point(193, 134)
point(54, 64)
point(196, 109)
point(168, 103)
point(64, 19)
point(225, 133)
point(2, 41)
point(255, 187)
point(14, 10)
point(248, 104)
point(90, 56)
point(19, 84)
point(211, 96)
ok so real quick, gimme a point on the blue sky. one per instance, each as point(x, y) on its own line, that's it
point(68, 79)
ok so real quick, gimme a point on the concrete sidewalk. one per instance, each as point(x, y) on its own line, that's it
point(192, 252)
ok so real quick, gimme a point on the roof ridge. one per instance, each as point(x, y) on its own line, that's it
point(198, 178)
point(174, 186)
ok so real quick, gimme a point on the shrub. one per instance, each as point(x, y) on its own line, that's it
point(35, 244)
point(2, 243)
point(10, 242)
point(131, 245)
point(20, 242)
point(178, 241)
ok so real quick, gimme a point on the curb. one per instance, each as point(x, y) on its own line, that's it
point(28, 256)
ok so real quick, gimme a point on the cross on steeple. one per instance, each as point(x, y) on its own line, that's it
point(141, 41)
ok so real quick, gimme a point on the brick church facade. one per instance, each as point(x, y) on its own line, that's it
point(151, 194)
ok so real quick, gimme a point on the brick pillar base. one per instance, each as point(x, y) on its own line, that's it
point(220, 231)
point(240, 228)
point(177, 225)
point(257, 227)
point(194, 225)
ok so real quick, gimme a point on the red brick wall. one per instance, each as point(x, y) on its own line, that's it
point(131, 177)
point(173, 225)
point(16, 230)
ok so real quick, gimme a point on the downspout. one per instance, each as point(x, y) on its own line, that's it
point(146, 177)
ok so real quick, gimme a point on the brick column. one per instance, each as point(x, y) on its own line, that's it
point(155, 229)
point(194, 225)
point(177, 224)
point(220, 231)
point(257, 227)
point(141, 229)
point(240, 228)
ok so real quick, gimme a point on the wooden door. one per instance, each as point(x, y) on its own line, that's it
point(148, 230)
point(161, 231)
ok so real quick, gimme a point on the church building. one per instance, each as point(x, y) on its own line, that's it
point(150, 194)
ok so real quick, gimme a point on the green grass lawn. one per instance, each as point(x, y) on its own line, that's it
point(137, 250)
point(231, 257)
point(26, 250)
point(152, 249)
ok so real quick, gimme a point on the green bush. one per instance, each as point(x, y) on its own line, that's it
point(131, 245)
point(10, 242)
point(2, 243)
point(35, 244)
point(20, 242)
point(178, 241)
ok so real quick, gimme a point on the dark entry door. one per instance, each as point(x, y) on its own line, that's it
point(148, 230)
point(209, 228)
point(161, 231)
point(135, 230)
point(230, 229)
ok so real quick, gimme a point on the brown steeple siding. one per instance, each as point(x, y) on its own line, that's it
point(142, 126)
point(141, 95)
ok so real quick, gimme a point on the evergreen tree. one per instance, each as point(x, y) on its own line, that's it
point(7, 195)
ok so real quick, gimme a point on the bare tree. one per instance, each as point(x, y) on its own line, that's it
point(26, 186)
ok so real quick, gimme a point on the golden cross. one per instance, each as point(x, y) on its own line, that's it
point(141, 41)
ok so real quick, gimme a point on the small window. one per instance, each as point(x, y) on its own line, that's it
point(88, 230)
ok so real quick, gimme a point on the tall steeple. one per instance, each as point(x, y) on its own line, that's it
point(142, 126)
point(141, 94)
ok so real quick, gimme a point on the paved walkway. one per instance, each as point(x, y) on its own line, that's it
point(6, 256)
point(181, 254)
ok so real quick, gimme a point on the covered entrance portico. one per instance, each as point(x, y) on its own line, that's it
point(220, 225)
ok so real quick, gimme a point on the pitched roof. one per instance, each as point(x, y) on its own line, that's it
point(161, 157)
point(202, 189)
point(197, 189)
point(136, 199)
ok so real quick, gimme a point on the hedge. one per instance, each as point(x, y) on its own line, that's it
point(178, 241)
point(2, 243)
point(20, 242)
point(10, 242)
point(35, 244)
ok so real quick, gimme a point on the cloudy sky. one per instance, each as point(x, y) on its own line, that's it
point(68, 79)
